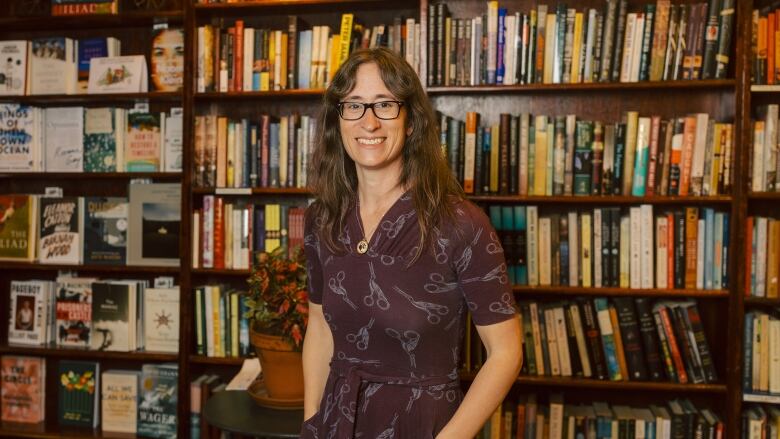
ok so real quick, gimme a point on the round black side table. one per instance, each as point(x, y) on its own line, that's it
point(234, 411)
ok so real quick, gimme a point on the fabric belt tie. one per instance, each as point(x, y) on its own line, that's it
point(352, 375)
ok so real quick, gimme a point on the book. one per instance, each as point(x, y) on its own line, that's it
point(84, 7)
point(20, 134)
point(78, 404)
point(18, 220)
point(23, 389)
point(74, 311)
point(167, 59)
point(13, 67)
point(60, 230)
point(89, 48)
point(154, 222)
point(118, 74)
point(105, 230)
point(63, 139)
point(161, 319)
point(119, 391)
point(143, 142)
point(52, 66)
point(114, 312)
point(158, 401)
point(104, 135)
point(28, 312)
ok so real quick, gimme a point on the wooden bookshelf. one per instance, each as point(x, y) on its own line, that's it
point(216, 361)
point(762, 301)
point(612, 291)
point(251, 191)
point(764, 196)
point(87, 354)
point(108, 269)
point(602, 199)
point(119, 99)
point(166, 176)
point(766, 399)
point(590, 86)
point(65, 23)
point(251, 95)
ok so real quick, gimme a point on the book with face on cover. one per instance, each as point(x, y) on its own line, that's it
point(23, 389)
point(28, 319)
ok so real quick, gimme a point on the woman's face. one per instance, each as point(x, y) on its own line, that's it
point(168, 61)
point(373, 143)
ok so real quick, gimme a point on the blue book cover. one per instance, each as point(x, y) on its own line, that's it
point(521, 264)
point(89, 48)
point(304, 55)
point(273, 165)
point(607, 338)
point(500, 61)
point(754, 257)
point(243, 327)
point(642, 157)
point(725, 257)
point(709, 247)
point(259, 227)
point(159, 396)
point(717, 239)
point(747, 354)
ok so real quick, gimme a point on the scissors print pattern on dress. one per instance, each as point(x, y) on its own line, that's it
point(433, 310)
point(374, 290)
point(335, 284)
point(360, 340)
point(408, 339)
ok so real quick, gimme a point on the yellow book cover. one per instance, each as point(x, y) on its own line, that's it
point(632, 126)
point(540, 156)
point(345, 38)
point(333, 56)
point(576, 49)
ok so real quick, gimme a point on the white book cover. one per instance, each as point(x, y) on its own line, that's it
point(628, 48)
point(119, 400)
point(662, 249)
point(563, 346)
point(597, 244)
point(64, 139)
point(20, 138)
point(492, 40)
point(52, 66)
point(636, 55)
point(758, 183)
point(761, 240)
point(173, 141)
point(304, 58)
point(60, 230)
point(27, 324)
point(574, 250)
point(635, 266)
point(582, 347)
point(249, 46)
point(118, 74)
point(552, 342)
point(161, 319)
point(13, 67)
point(699, 148)
point(646, 237)
point(770, 148)
point(532, 245)
point(774, 355)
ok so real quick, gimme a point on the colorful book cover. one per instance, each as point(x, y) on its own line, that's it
point(19, 137)
point(167, 59)
point(60, 238)
point(607, 338)
point(143, 142)
point(74, 311)
point(119, 400)
point(17, 227)
point(52, 66)
point(111, 316)
point(78, 402)
point(159, 395)
point(161, 319)
point(23, 389)
point(101, 148)
point(89, 48)
point(105, 230)
point(84, 7)
point(28, 312)
point(13, 67)
point(155, 220)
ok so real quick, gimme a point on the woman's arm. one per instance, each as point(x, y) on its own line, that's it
point(317, 351)
point(504, 358)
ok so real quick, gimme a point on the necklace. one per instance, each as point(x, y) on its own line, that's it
point(362, 245)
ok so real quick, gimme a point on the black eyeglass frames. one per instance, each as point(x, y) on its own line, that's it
point(385, 110)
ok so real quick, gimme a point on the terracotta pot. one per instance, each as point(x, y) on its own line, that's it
point(282, 366)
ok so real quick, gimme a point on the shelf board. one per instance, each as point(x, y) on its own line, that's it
point(128, 19)
point(612, 291)
point(86, 353)
point(220, 272)
point(765, 88)
point(265, 4)
point(13, 265)
point(601, 199)
point(251, 191)
point(772, 196)
point(586, 383)
point(764, 301)
point(52, 431)
point(91, 175)
point(769, 399)
point(217, 361)
point(241, 95)
point(49, 100)
point(604, 86)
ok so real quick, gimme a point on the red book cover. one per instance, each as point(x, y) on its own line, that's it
point(655, 128)
point(238, 57)
point(691, 246)
point(219, 233)
point(670, 259)
point(689, 139)
point(23, 389)
point(673, 347)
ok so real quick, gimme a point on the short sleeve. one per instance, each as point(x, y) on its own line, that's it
point(480, 267)
point(311, 248)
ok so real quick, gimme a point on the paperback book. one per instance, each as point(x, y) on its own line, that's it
point(78, 384)
point(17, 227)
point(23, 391)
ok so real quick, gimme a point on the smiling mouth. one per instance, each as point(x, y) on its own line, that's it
point(372, 141)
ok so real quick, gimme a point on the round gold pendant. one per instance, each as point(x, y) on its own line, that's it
point(362, 246)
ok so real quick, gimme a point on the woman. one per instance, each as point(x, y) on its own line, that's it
point(396, 257)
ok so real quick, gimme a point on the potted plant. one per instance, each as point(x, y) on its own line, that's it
point(278, 311)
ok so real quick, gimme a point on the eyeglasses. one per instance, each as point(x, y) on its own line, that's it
point(385, 110)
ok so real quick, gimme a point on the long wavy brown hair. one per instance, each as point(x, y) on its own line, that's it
point(424, 172)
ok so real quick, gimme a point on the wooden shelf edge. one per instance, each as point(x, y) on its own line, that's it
point(216, 361)
point(611, 385)
point(220, 272)
point(233, 95)
point(43, 175)
point(222, 7)
point(605, 86)
point(764, 196)
point(128, 19)
point(95, 97)
point(764, 301)
point(765, 88)
point(251, 191)
point(613, 291)
point(15, 265)
point(767, 399)
point(86, 354)
point(601, 199)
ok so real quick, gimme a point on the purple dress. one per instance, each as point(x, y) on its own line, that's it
point(397, 330)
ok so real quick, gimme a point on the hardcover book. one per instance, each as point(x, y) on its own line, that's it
point(113, 316)
point(118, 74)
point(119, 397)
point(155, 219)
point(167, 59)
point(84, 7)
point(28, 312)
point(143, 142)
point(52, 66)
point(89, 48)
point(161, 319)
point(74, 311)
point(77, 397)
point(18, 214)
point(13, 67)
point(60, 230)
point(105, 230)
point(159, 395)
point(20, 137)
point(23, 389)
point(104, 133)
point(64, 139)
